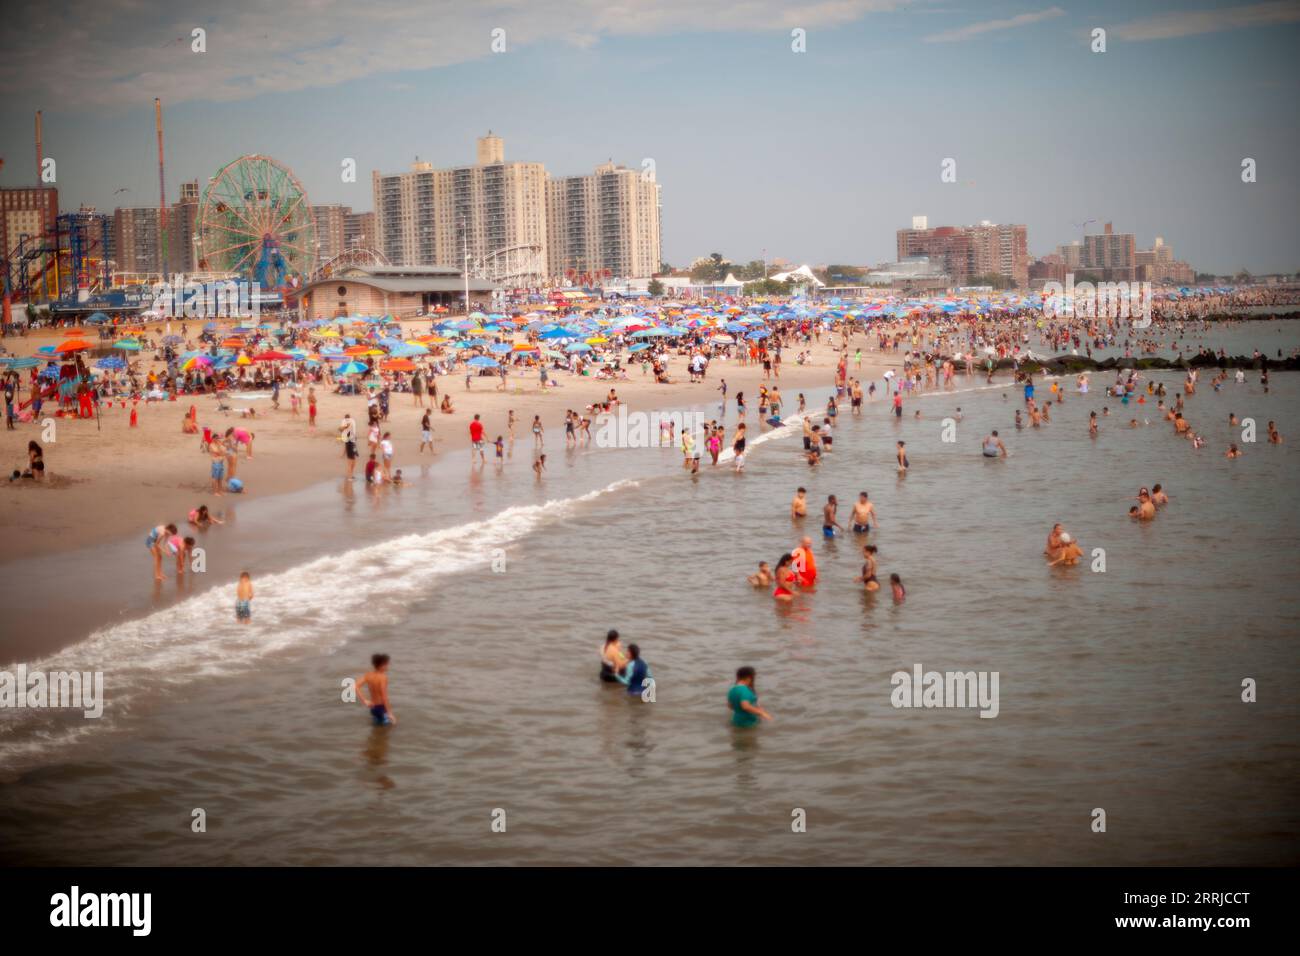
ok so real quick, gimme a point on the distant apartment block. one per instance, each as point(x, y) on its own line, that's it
point(1158, 264)
point(603, 225)
point(182, 229)
point(24, 211)
point(331, 230)
point(1109, 254)
point(966, 252)
point(359, 231)
point(430, 216)
point(136, 241)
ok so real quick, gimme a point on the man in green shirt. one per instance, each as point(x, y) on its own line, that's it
point(745, 711)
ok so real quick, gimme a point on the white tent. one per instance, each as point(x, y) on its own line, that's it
point(801, 276)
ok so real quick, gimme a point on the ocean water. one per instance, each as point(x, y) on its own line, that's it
point(1119, 690)
point(1240, 337)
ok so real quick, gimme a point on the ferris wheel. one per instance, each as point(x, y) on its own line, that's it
point(255, 221)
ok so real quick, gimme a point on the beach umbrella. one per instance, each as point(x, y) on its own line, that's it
point(127, 345)
point(578, 347)
point(97, 317)
point(25, 362)
point(272, 356)
point(111, 362)
point(524, 347)
point(72, 345)
point(639, 347)
point(196, 361)
point(351, 368)
point(499, 347)
point(482, 361)
point(597, 340)
point(758, 334)
point(399, 365)
point(407, 350)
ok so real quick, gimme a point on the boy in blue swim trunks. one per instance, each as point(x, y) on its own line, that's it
point(829, 524)
point(243, 596)
point(373, 691)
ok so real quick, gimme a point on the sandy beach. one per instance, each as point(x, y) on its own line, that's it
point(106, 479)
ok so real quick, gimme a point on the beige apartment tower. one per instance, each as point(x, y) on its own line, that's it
point(428, 217)
point(603, 225)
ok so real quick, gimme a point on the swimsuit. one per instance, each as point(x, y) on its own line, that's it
point(380, 713)
point(861, 528)
point(607, 673)
point(243, 610)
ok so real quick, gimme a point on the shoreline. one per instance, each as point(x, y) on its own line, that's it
point(112, 480)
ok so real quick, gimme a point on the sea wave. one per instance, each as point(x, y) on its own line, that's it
point(315, 604)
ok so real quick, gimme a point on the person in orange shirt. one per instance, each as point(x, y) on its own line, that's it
point(805, 564)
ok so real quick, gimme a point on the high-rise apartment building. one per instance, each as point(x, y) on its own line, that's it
point(331, 230)
point(136, 242)
point(182, 229)
point(1109, 254)
point(967, 252)
point(604, 224)
point(430, 216)
point(1158, 264)
point(359, 231)
point(27, 211)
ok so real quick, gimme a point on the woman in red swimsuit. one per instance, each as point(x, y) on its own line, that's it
point(784, 578)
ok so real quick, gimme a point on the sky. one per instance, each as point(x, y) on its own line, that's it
point(813, 155)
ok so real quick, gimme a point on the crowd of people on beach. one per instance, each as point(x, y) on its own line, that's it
point(932, 348)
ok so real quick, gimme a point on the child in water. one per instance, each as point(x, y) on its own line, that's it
point(896, 585)
point(244, 598)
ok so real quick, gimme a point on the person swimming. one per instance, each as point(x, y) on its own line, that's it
point(762, 577)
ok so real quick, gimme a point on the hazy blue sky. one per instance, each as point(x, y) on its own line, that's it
point(816, 156)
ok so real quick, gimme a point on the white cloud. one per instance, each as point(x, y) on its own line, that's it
point(88, 54)
point(990, 26)
point(1185, 23)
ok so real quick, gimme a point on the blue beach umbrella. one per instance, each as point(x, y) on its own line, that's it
point(482, 361)
point(351, 368)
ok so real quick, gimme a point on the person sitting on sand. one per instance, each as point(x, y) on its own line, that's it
point(200, 517)
point(446, 407)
